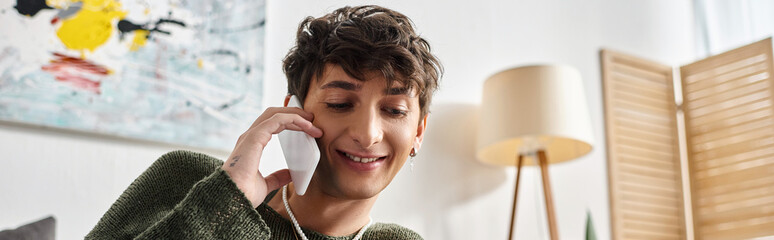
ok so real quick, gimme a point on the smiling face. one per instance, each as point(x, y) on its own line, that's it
point(368, 128)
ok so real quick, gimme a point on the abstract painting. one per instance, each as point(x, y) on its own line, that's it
point(178, 71)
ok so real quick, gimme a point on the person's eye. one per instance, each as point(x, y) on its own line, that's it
point(396, 112)
point(339, 107)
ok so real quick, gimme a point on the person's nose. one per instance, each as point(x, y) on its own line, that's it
point(366, 129)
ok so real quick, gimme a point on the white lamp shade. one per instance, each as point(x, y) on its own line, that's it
point(542, 104)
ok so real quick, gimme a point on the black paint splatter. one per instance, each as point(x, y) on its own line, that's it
point(31, 7)
point(125, 26)
point(169, 21)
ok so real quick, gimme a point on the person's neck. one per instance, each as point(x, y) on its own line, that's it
point(324, 213)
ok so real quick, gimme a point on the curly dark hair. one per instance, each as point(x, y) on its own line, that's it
point(362, 39)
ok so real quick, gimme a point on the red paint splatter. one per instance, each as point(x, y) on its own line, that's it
point(54, 20)
point(76, 72)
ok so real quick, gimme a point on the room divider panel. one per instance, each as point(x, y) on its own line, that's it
point(728, 109)
point(642, 145)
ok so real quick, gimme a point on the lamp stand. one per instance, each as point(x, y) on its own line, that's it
point(543, 163)
point(519, 162)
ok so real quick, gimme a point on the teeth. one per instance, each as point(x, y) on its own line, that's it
point(359, 159)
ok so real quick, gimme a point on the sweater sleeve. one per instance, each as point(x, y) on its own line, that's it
point(183, 195)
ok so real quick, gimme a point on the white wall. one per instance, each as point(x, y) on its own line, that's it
point(448, 195)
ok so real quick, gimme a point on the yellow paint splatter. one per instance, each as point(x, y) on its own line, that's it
point(200, 63)
point(140, 37)
point(91, 26)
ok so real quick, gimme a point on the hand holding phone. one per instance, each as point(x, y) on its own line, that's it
point(301, 153)
point(242, 166)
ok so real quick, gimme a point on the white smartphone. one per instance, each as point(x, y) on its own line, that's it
point(301, 153)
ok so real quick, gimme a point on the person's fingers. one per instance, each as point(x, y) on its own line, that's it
point(305, 126)
point(271, 111)
point(277, 179)
point(301, 112)
point(262, 133)
point(283, 121)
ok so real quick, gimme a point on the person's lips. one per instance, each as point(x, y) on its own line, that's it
point(361, 161)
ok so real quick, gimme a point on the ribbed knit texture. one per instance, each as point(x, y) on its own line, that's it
point(185, 195)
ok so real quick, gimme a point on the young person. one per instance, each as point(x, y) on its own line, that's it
point(365, 79)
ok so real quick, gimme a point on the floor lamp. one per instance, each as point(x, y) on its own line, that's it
point(534, 115)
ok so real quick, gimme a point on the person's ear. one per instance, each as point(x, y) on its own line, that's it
point(421, 129)
point(287, 100)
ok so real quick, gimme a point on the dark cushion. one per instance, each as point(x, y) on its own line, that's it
point(42, 229)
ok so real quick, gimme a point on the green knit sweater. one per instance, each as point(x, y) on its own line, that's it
point(185, 195)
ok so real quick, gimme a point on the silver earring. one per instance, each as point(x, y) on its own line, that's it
point(412, 154)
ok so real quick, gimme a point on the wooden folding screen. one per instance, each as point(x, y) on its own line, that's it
point(644, 162)
point(729, 117)
point(728, 105)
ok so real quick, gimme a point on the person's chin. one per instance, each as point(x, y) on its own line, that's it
point(361, 190)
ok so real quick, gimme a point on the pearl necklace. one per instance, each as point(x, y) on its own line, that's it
point(298, 228)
